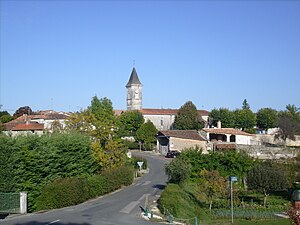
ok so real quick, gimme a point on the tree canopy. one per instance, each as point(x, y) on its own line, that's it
point(266, 118)
point(146, 134)
point(23, 110)
point(130, 122)
point(244, 119)
point(188, 118)
point(224, 115)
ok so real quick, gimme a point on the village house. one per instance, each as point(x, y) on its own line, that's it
point(42, 121)
point(178, 140)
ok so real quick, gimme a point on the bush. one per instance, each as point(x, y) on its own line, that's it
point(176, 201)
point(71, 191)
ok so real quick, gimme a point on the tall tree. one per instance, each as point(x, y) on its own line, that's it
point(245, 104)
point(146, 134)
point(288, 123)
point(266, 118)
point(99, 122)
point(23, 110)
point(244, 119)
point(212, 184)
point(266, 178)
point(129, 122)
point(188, 118)
point(224, 115)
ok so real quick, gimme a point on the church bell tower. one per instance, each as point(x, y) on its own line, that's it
point(134, 92)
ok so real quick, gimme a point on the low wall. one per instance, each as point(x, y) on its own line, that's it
point(265, 152)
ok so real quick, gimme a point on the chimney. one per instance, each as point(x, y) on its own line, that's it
point(219, 124)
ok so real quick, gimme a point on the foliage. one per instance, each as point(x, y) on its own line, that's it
point(227, 163)
point(178, 170)
point(224, 115)
point(29, 162)
point(212, 184)
point(23, 110)
point(188, 118)
point(245, 104)
point(266, 118)
point(146, 134)
point(176, 201)
point(67, 191)
point(5, 117)
point(288, 123)
point(130, 122)
point(244, 119)
point(99, 122)
point(294, 216)
point(266, 177)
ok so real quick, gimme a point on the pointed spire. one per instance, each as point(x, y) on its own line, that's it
point(134, 79)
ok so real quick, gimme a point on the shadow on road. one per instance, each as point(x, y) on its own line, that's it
point(159, 186)
point(3, 215)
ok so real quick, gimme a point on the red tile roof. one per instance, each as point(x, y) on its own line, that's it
point(226, 131)
point(30, 126)
point(184, 134)
point(168, 112)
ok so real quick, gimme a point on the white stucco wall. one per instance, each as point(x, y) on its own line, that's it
point(243, 140)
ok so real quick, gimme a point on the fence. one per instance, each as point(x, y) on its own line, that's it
point(13, 202)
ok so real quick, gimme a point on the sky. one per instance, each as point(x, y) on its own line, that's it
point(59, 54)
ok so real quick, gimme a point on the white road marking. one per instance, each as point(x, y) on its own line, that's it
point(129, 207)
point(146, 183)
point(55, 221)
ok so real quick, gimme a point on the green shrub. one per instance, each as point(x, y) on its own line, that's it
point(131, 145)
point(176, 201)
point(71, 191)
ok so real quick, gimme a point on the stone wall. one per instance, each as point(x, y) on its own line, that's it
point(265, 152)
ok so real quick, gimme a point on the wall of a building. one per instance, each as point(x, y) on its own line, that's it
point(243, 140)
point(134, 100)
point(180, 144)
point(161, 122)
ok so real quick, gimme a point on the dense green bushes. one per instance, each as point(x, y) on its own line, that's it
point(27, 163)
point(178, 202)
point(76, 190)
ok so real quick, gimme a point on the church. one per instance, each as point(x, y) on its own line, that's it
point(163, 119)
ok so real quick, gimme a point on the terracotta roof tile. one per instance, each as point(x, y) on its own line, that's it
point(30, 126)
point(185, 134)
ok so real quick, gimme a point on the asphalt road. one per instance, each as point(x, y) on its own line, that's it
point(122, 207)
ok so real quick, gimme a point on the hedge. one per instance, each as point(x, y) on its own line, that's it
point(71, 191)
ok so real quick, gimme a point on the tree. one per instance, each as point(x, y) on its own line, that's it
point(178, 171)
point(244, 119)
point(146, 134)
point(265, 177)
point(5, 117)
point(188, 118)
point(245, 104)
point(130, 122)
point(266, 118)
point(23, 110)
point(212, 184)
point(288, 123)
point(99, 122)
point(224, 115)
